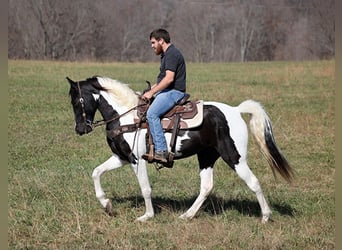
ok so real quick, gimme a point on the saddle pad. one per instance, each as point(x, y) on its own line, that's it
point(187, 123)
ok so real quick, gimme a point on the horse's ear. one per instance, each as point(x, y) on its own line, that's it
point(70, 81)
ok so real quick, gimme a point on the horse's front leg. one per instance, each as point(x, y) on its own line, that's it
point(112, 163)
point(140, 171)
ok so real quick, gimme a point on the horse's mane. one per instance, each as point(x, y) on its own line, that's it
point(121, 93)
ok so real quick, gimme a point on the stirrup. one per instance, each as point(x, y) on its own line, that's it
point(160, 165)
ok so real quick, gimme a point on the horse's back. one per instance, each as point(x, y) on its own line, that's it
point(231, 113)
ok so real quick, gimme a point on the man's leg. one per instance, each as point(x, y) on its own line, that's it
point(163, 102)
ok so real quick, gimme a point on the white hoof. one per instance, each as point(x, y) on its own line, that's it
point(145, 217)
point(104, 202)
point(265, 219)
point(185, 216)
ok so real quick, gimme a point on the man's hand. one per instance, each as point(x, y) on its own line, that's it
point(148, 95)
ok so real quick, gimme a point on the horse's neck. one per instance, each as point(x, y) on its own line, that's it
point(110, 108)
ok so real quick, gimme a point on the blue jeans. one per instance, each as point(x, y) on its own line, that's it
point(162, 103)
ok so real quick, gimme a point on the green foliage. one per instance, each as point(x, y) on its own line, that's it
point(52, 203)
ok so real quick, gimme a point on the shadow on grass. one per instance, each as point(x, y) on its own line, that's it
point(213, 205)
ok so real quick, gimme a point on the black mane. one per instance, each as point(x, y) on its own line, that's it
point(90, 85)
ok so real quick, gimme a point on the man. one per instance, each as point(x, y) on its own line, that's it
point(169, 89)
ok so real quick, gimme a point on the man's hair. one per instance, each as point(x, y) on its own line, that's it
point(161, 33)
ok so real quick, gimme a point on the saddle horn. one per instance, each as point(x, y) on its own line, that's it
point(148, 84)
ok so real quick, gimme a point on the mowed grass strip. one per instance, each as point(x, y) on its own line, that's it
point(51, 199)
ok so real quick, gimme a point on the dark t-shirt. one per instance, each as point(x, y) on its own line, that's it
point(173, 60)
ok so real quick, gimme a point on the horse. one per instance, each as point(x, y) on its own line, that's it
point(222, 133)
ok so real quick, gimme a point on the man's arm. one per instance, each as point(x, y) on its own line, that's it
point(163, 84)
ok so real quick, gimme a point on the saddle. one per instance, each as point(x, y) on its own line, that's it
point(184, 115)
point(189, 112)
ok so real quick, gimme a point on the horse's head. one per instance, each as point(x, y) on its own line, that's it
point(84, 96)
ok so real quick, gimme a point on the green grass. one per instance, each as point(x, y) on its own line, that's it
point(51, 199)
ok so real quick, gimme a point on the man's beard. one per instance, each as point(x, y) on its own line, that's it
point(158, 50)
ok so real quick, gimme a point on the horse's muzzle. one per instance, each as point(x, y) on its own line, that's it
point(83, 128)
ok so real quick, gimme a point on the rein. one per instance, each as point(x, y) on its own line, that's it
point(103, 122)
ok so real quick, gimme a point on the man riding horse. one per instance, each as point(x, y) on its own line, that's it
point(169, 89)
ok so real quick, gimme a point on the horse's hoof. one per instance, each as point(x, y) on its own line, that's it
point(265, 219)
point(144, 218)
point(184, 217)
point(109, 209)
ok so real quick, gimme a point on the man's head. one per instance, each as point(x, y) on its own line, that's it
point(160, 39)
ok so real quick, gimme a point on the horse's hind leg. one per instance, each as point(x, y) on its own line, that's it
point(252, 182)
point(206, 187)
point(206, 161)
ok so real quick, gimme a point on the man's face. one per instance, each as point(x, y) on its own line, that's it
point(156, 46)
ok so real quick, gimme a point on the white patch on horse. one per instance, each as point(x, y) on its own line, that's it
point(179, 143)
point(96, 97)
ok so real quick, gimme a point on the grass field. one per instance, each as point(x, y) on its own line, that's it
point(51, 199)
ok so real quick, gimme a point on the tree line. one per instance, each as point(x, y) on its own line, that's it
point(205, 31)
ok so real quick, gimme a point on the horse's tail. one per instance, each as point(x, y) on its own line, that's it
point(261, 128)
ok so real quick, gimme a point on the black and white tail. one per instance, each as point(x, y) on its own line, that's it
point(261, 128)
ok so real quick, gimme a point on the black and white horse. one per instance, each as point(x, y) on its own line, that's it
point(223, 133)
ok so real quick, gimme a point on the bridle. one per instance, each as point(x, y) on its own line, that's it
point(87, 123)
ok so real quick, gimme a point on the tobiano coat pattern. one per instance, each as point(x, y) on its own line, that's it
point(223, 133)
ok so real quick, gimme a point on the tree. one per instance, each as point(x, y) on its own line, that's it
point(219, 30)
point(323, 25)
